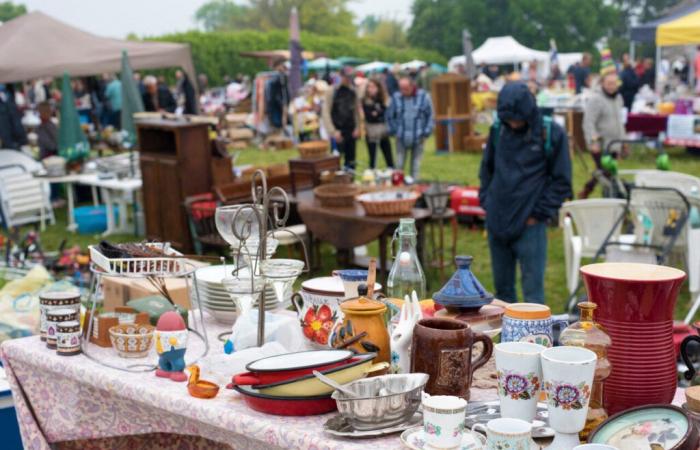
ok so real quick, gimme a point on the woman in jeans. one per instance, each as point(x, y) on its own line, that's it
point(374, 106)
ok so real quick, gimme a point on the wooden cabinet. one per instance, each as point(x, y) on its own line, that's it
point(454, 128)
point(175, 159)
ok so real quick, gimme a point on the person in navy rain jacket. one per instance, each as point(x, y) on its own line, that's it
point(525, 177)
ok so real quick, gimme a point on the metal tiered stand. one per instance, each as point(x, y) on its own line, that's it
point(250, 230)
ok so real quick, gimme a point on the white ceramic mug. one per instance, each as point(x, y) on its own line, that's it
point(519, 374)
point(443, 420)
point(506, 433)
point(567, 373)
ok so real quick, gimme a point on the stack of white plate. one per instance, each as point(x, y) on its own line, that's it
point(217, 302)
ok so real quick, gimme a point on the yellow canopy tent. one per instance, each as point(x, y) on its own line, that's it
point(682, 31)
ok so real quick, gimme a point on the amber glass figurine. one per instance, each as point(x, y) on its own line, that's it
point(591, 335)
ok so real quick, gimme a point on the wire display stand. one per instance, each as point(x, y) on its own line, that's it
point(250, 229)
point(172, 265)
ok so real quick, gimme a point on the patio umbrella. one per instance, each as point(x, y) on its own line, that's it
point(351, 61)
point(323, 63)
point(416, 64)
point(468, 47)
point(294, 53)
point(374, 66)
point(439, 68)
point(72, 143)
point(131, 102)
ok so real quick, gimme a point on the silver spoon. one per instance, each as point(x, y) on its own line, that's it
point(330, 382)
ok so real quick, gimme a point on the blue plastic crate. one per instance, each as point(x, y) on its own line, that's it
point(9, 428)
point(92, 219)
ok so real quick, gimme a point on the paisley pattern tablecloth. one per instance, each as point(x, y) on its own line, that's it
point(62, 398)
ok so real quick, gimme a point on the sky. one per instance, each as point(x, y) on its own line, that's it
point(117, 18)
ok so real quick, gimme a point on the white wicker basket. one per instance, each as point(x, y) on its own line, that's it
point(160, 266)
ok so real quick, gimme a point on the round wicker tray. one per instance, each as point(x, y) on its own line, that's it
point(391, 203)
point(336, 195)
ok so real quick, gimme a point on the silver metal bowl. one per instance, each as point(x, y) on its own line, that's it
point(383, 401)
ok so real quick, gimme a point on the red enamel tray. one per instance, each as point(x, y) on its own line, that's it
point(286, 406)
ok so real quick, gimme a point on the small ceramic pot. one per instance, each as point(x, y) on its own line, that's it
point(568, 376)
point(506, 433)
point(132, 340)
point(53, 318)
point(529, 322)
point(68, 338)
point(519, 374)
point(443, 420)
point(55, 300)
point(351, 279)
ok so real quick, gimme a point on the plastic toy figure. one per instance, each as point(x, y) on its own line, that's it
point(171, 343)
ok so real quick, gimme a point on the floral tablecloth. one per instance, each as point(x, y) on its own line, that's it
point(62, 399)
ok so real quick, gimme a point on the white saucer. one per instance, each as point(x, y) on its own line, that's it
point(414, 439)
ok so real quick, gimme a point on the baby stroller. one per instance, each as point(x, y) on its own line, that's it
point(654, 227)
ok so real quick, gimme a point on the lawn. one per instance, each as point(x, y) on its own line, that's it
point(459, 167)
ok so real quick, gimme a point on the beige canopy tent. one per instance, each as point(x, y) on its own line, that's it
point(35, 45)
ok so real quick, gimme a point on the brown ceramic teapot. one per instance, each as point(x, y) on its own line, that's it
point(442, 348)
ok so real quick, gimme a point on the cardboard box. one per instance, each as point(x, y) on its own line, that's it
point(118, 291)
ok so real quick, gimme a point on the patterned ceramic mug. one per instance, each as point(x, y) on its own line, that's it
point(529, 322)
point(443, 420)
point(505, 433)
point(519, 378)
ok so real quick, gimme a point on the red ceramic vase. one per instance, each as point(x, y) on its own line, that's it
point(635, 305)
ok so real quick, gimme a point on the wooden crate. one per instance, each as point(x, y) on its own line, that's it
point(451, 94)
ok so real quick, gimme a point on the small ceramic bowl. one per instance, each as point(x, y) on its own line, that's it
point(203, 389)
point(132, 340)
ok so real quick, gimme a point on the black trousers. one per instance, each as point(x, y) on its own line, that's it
point(347, 148)
point(385, 145)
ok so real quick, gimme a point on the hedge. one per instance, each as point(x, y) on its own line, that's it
point(217, 53)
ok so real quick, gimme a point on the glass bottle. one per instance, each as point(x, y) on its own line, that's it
point(406, 273)
point(591, 335)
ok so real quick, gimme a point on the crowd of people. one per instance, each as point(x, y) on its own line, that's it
point(345, 106)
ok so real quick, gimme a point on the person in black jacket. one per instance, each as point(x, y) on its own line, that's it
point(157, 97)
point(277, 95)
point(374, 106)
point(341, 116)
point(12, 134)
point(524, 181)
point(630, 82)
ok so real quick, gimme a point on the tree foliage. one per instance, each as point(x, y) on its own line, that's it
point(384, 31)
point(325, 17)
point(218, 53)
point(9, 11)
point(574, 24)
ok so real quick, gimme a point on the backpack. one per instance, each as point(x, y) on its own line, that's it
point(546, 131)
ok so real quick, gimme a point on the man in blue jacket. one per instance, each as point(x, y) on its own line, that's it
point(525, 177)
point(410, 119)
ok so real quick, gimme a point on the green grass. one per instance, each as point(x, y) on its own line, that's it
point(459, 167)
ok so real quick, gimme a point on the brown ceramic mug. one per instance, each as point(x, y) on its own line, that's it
point(442, 348)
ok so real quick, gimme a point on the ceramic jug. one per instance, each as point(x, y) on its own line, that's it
point(529, 322)
point(363, 328)
point(442, 348)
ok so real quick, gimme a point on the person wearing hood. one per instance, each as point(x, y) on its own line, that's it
point(525, 177)
point(603, 123)
point(12, 134)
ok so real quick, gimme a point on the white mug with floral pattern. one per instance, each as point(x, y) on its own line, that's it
point(519, 374)
point(567, 373)
point(443, 420)
point(507, 433)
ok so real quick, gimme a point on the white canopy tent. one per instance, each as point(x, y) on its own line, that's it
point(506, 50)
point(35, 45)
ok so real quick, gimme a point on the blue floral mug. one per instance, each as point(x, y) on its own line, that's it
point(529, 322)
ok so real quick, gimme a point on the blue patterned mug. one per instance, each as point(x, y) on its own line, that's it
point(529, 322)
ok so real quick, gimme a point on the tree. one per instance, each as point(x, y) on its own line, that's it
point(575, 25)
point(325, 17)
point(220, 15)
point(388, 32)
point(9, 11)
point(369, 24)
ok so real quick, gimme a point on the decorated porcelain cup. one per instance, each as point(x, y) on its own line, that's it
point(519, 378)
point(443, 420)
point(529, 322)
point(506, 433)
point(567, 373)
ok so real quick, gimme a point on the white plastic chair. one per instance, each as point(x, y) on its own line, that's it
point(586, 225)
point(687, 184)
point(24, 200)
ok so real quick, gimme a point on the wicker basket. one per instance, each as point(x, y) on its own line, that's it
point(388, 203)
point(336, 195)
point(313, 149)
